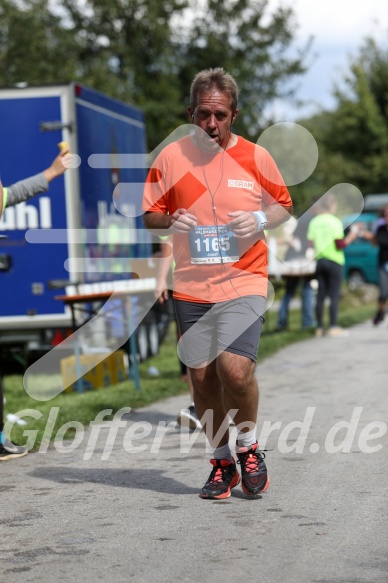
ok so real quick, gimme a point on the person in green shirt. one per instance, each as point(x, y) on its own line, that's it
point(326, 234)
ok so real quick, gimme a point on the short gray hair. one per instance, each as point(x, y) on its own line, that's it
point(207, 79)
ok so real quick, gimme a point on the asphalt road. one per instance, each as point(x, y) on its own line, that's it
point(136, 516)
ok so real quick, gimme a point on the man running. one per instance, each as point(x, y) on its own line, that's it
point(216, 192)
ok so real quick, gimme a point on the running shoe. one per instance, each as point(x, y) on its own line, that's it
point(9, 450)
point(254, 474)
point(188, 418)
point(223, 477)
point(379, 317)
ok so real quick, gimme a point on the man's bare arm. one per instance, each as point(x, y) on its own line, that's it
point(156, 220)
point(179, 222)
point(277, 214)
point(244, 224)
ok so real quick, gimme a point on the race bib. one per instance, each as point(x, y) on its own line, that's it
point(208, 244)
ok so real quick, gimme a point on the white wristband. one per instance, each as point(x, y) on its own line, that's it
point(261, 220)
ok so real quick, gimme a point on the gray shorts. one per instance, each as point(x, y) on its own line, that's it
point(208, 329)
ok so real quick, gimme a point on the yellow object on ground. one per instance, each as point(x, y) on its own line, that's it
point(98, 377)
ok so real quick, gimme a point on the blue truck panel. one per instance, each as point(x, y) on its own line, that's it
point(24, 151)
point(112, 128)
point(94, 124)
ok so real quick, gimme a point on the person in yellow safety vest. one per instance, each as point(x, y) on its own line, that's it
point(15, 194)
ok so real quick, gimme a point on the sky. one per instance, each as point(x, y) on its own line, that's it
point(338, 28)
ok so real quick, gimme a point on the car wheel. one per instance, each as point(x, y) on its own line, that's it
point(355, 280)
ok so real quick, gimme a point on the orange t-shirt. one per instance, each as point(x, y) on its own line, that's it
point(243, 177)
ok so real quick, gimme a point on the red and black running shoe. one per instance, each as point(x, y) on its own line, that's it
point(223, 477)
point(254, 474)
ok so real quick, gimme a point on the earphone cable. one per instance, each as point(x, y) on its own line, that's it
point(215, 219)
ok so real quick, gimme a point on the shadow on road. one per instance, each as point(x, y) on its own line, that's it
point(142, 479)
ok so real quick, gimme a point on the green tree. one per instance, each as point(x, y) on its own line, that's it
point(149, 54)
point(146, 53)
point(35, 47)
point(127, 49)
point(353, 139)
point(253, 44)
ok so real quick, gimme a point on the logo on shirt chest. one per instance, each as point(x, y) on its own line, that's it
point(240, 184)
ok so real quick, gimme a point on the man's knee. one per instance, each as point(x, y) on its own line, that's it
point(203, 379)
point(237, 372)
